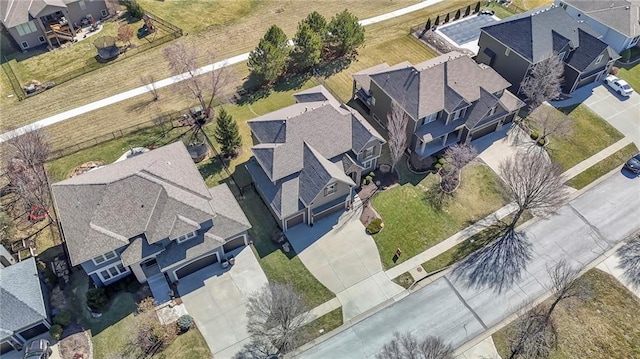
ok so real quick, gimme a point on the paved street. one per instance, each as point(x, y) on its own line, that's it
point(581, 232)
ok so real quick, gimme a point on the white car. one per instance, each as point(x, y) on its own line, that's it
point(618, 85)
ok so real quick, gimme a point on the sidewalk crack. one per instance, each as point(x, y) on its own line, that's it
point(464, 302)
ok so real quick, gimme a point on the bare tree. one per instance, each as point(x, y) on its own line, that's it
point(149, 82)
point(204, 87)
point(629, 255)
point(543, 81)
point(125, 33)
point(397, 121)
point(549, 121)
point(407, 346)
point(25, 156)
point(456, 156)
point(276, 314)
point(152, 336)
point(535, 185)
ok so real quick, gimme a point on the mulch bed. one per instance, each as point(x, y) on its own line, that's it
point(383, 179)
point(75, 343)
point(86, 167)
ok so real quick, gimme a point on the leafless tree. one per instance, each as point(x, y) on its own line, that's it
point(152, 336)
point(534, 335)
point(543, 81)
point(456, 156)
point(629, 255)
point(407, 346)
point(549, 121)
point(535, 185)
point(206, 88)
point(397, 121)
point(125, 33)
point(276, 313)
point(25, 156)
point(149, 82)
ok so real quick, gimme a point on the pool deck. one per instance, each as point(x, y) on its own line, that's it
point(466, 30)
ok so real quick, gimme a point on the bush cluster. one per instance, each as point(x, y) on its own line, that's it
point(184, 323)
point(97, 299)
point(374, 226)
point(534, 135)
point(55, 331)
point(62, 319)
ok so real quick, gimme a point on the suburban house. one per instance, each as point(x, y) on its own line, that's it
point(308, 157)
point(449, 99)
point(617, 21)
point(515, 44)
point(35, 22)
point(24, 309)
point(152, 215)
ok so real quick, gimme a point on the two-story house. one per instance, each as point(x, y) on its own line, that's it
point(308, 157)
point(152, 215)
point(617, 21)
point(35, 22)
point(514, 45)
point(449, 99)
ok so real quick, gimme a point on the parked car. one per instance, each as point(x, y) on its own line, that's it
point(37, 349)
point(618, 85)
point(633, 164)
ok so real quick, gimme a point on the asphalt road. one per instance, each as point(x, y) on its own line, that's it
point(580, 232)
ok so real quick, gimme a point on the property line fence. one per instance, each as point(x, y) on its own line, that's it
point(13, 80)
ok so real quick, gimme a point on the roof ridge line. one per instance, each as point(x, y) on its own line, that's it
point(160, 181)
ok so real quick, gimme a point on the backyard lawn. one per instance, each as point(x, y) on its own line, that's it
point(413, 222)
point(605, 326)
point(603, 167)
point(591, 134)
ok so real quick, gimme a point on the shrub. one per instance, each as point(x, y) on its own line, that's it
point(541, 142)
point(184, 323)
point(55, 331)
point(614, 70)
point(374, 226)
point(133, 8)
point(96, 299)
point(441, 160)
point(534, 135)
point(438, 165)
point(371, 174)
point(62, 319)
point(365, 181)
point(369, 179)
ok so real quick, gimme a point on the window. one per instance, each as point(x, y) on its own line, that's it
point(561, 56)
point(104, 257)
point(432, 117)
point(372, 100)
point(82, 4)
point(507, 51)
point(42, 39)
point(104, 12)
point(492, 111)
point(330, 189)
point(24, 45)
point(26, 28)
point(186, 237)
point(368, 152)
point(634, 41)
point(599, 59)
point(112, 272)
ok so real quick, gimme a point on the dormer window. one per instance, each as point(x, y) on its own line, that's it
point(599, 59)
point(104, 257)
point(330, 189)
point(186, 237)
point(368, 152)
point(561, 56)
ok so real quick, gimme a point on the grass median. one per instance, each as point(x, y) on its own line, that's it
point(603, 167)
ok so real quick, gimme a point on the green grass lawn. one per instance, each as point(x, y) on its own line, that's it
point(413, 222)
point(632, 75)
point(605, 326)
point(603, 167)
point(322, 325)
point(591, 134)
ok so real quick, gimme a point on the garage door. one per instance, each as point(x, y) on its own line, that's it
point(329, 211)
point(587, 80)
point(295, 220)
point(196, 265)
point(483, 131)
point(34, 331)
point(233, 244)
point(5, 347)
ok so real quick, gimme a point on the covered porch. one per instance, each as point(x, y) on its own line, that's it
point(426, 146)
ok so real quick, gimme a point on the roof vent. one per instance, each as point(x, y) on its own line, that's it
point(627, 7)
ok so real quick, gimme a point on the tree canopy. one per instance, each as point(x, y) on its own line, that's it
point(268, 60)
point(344, 34)
point(308, 47)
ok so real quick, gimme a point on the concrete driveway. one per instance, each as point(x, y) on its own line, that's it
point(339, 253)
point(216, 298)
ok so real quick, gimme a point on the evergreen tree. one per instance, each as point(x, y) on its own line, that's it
point(446, 19)
point(477, 9)
point(458, 13)
point(345, 35)
point(427, 26)
point(226, 133)
point(467, 11)
point(308, 47)
point(317, 23)
point(437, 22)
point(268, 60)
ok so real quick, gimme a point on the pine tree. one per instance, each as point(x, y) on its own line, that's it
point(317, 23)
point(477, 9)
point(268, 60)
point(345, 35)
point(308, 47)
point(226, 133)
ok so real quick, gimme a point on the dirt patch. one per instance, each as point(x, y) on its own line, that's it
point(75, 343)
point(368, 214)
point(86, 167)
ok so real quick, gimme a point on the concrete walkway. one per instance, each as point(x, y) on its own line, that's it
point(175, 79)
point(584, 165)
point(483, 350)
point(611, 266)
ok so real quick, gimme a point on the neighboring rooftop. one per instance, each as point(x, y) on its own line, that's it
point(621, 15)
point(157, 194)
point(21, 301)
point(16, 12)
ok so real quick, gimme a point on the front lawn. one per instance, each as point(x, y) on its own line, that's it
point(591, 134)
point(322, 325)
point(632, 75)
point(605, 326)
point(603, 167)
point(413, 222)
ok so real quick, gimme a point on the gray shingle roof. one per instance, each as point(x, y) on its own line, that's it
point(283, 196)
point(159, 194)
point(449, 81)
point(316, 174)
point(138, 249)
point(536, 34)
point(590, 48)
point(21, 301)
point(16, 12)
point(621, 15)
point(190, 249)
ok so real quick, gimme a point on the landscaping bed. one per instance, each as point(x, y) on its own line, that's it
point(605, 326)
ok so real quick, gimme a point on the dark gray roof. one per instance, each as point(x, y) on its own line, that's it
point(16, 12)
point(187, 250)
point(139, 248)
point(537, 33)
point(449, 82)
point(282, 196)
point(590, 48)
point(480, 109)
point(159, 194)
point(21, 300)
point(316, 174)
point(621, 15)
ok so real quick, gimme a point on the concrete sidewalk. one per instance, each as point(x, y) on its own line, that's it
point(589, 162)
